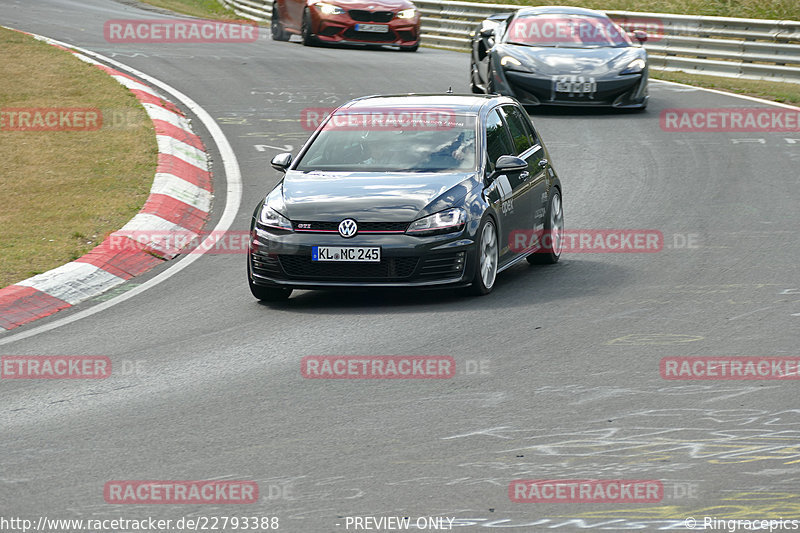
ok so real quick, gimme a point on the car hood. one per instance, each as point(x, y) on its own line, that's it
point(587, 61)
point(370, 196)
point(378, 5)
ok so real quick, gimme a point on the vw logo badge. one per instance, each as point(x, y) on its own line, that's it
point(348, 228)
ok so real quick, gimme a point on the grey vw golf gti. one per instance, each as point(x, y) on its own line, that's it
point(408, 191)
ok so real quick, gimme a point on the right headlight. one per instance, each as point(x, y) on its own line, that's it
point(448, 221)
point(512, 63)
point(329, 9)
point(272, 219)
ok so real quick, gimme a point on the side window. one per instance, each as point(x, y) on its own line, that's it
point(521, 132)
point(497, 140)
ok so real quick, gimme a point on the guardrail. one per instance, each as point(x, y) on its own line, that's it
point(717, 46)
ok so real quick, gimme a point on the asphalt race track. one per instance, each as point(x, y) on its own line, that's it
point(557, 370)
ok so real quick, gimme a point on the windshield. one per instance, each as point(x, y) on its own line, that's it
point(566, 31)
point(394, 141)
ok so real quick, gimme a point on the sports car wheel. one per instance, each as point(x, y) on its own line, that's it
point(305, 30)
point(276, 28)
point(553, 237)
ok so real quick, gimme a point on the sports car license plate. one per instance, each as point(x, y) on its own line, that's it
point(359, 254)
point(575, 84)
point(373, 28)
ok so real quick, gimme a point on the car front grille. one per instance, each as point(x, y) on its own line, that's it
point(369, 36)
point(303, 226)
point(362, 15)
point(389, 269)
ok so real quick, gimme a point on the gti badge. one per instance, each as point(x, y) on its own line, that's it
point(348, 228)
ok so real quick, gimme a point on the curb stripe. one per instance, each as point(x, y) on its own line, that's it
point(73, 282)
point(181, 150)
point(145, 224)
point(123, 258)
point(169, 164)
point(175, 211)
point(182, 190)
point(21, 305)
point(165, 128)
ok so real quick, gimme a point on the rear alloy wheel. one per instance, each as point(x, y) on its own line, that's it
point(305, 30)
point(486, 271)
point(276, 27)
point(553, 237)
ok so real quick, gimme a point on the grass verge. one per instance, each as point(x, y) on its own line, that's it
point(206, 9)
point(64, 190)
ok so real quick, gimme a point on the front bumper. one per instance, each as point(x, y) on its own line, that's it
point(342, 29)
point(623, 91)
point(284, 259)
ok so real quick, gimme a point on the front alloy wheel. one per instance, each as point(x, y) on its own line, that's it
point(486, 270)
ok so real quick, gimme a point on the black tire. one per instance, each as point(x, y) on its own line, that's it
point(412, 48)
point(266, 294)
point(552, 238)
point(277, 30)
point(472, 87)
point(305, 30)
point(481, 283)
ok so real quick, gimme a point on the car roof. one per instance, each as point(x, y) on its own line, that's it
point(559, 10)
point(467, 104)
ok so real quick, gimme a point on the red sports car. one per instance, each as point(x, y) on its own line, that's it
point(392, 22)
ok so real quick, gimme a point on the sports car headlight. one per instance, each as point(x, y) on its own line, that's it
point(272, 219)
point(407, 13)
point(329, 9)
point(448, 221)
point(512, 63)
point(634, 67)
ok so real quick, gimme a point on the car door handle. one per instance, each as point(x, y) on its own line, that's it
point(543, 163)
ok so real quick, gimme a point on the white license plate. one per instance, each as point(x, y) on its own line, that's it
point(373, 28)
point(575, 84)
point(358, 254)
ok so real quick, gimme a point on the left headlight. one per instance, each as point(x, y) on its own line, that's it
point(407, 13)
point(272, 219)
point(448, 221)
point(329, 9)
point(634, 67)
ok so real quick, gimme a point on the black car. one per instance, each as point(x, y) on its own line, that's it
point(408, 191)
point(559, 56)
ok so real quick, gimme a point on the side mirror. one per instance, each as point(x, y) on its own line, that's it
point(509, 164)
point(640, 35)
point(282, 161)
point(506, 164)
point(486, 33)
